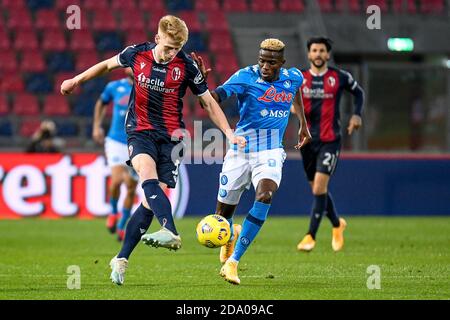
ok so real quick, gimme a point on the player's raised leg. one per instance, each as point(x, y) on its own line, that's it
point(250, 228)
point(168, 236)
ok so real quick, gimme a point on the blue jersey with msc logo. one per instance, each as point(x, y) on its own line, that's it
point(264, 107)
point(118, 92)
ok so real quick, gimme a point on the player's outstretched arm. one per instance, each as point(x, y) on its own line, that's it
point(201, 65)
point(98, 134)
point(304, 136)
point(97, 70)
point(218, 117)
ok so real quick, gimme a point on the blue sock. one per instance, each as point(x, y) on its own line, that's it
point(123, 220)
point(230, 221)
point(320, 206)
point(331, 212)
point(159, 203)
point(113, 203)
point(137, 226)
point(250, 228)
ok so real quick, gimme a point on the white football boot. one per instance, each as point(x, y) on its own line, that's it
point(118, 267)
point(162, 238)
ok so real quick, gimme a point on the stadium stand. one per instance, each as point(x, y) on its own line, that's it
point(37, 51)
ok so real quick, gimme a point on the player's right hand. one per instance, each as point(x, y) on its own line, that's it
point(68, 86)
point(201, 65)
point(98, 134)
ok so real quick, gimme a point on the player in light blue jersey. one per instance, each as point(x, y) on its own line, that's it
point(116, 150)
point(265, 94)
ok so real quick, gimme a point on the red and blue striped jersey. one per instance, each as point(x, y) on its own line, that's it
point(321, 96)
point(156, 98)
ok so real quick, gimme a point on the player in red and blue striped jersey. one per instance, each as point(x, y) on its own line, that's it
point(322, 89)
point(162, 72)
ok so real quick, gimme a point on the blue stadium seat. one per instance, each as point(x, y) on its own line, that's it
point(66, 129)
point(195, 43)
point(39, 4)
point(177, 5)
point(6, 129)
point(38, 83)
point(108, 41)
point(94, 86)
point(84, 105)
point(60, 62)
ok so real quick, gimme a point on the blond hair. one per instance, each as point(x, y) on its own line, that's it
point(175, 28)
point(272, 45)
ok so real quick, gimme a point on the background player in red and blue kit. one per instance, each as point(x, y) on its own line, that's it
point(162, 73)
point(322, 90)
point(116, 150)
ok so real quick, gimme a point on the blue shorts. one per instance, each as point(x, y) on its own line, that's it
point(160, 148)
point(320, 157)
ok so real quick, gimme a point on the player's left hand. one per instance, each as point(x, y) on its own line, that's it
point(304, 137)
point(354, 124)
point(201, 65)
point(239, 140)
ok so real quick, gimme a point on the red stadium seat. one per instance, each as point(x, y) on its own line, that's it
point(13, 4)
point(191, 19)
point(294, 6)
point(62, 5)
point(234, 6)
point(326, 5)
point(354, 6)
point(25, 105)
point(216, 21)
point(432, 6)
point(28, 127)
point(4, 105)
point(20, 19)
point(56, 105)
point(5, 42)
point(266, 6)
point(85, 60)
point(54, 40)
point(104, 21)
point(226, 64)
point(11, 82)
point(81, 40)
point(220, 42)
point(136, 36)
point(206, 5)
point(96, 5)
point(122, 5)
point(25, 40)
point(32, 61)
point(8, 61)
point(382, 4)
point(131, 19)
point(151, 5)
point(47, 19)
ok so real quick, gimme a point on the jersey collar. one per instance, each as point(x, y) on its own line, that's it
point(318, 74)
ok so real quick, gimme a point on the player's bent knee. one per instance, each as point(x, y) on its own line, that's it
point(264, 196)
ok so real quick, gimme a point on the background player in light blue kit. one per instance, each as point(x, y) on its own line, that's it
point(116, 150)
point(265, 93)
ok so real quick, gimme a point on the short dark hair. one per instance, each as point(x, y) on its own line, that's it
point(324, 40)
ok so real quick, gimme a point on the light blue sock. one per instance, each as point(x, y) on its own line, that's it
point(230, 221)
point(123, 221)
point(113, 203)
point(250, 228)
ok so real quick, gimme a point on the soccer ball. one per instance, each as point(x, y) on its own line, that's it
point(213, 231)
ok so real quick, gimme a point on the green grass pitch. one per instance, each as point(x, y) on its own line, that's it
point(412, 253)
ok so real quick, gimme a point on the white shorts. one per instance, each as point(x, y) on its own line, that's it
point(240, 169)
point(117, 155)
